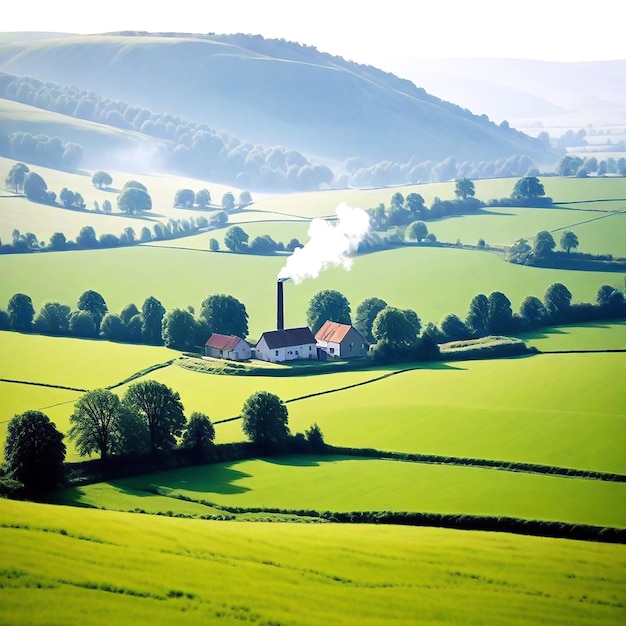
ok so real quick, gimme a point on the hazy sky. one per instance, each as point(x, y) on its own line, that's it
point(552, 30)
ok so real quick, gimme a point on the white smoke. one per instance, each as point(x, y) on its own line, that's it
point(330, 244)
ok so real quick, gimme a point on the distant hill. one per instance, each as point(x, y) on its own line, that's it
point(271, 92)
point(524, 92)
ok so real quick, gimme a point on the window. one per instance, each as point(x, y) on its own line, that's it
point(332, 350)
point(276, 353)
point(350, 347)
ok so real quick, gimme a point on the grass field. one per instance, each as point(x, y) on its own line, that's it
point(600, 336)
point(432, 281)
point(65, 565)
point(345, 484)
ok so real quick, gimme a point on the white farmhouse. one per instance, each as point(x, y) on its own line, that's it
point(227, 347)
point(286, 345)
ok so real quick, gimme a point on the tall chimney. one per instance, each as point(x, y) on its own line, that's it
point(280, 312)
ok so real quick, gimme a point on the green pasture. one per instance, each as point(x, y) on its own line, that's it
point(598, 233)
point(345, 484)
point(598, 336)
point(66, 565)
point(432, 281)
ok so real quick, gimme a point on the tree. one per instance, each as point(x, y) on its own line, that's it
point(365, 315)
point(395, 328)
point(93, 422)
point(478, 315)
point(152, 312)
point(199, 434)
point(67, 197)
point(101, 179)
point(529, 188)
point(568, 240)
point(53, 319)
point(35, 188)
point(34, 452)
point(454, 328)
point(557, 300)
point(17, 174)
point(112, 328)
point(603, 297)
point(128, 312)
point(224, 314)
point(58, 241)
point(94, 303)
point(106, 206)
point(203, 198)
point(236, 239)
point(500, 313)
point(179, 329)
point(134, 184)
point(265, 419)
point(184, 198)
point(327, 305)
point(133, 200)
point(543, 244)
point(21, 311)
point(82, 324)
point(464, 188)
point(228, 201)
point(417, 230)
point(214, 245)
point(160, 409)
point(315, 438)
point(87, 237)
point(415, 203)
point(245, 199)
point(533, 311)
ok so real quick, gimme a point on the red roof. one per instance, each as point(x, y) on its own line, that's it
point(222, 342)
point(333, 331)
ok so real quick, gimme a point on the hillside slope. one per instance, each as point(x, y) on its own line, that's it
point(524, 91)
point(271, 92)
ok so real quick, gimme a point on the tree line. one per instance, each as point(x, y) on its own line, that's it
point(41, 150)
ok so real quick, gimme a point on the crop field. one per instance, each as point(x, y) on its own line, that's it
point(301, 483)
point(434, 281)
point(65, 565)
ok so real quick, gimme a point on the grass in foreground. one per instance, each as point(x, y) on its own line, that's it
point(64, 565)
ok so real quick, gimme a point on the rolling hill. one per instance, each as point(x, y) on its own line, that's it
point(271, 92)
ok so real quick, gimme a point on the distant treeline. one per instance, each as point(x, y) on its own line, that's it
point(42, 150)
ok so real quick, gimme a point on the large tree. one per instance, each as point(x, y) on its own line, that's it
point(35, 188)
point(417, 230)
point(21, 311)
point(34, 452)
point(415, 203)
point(152, 312)
point(101, 179)
point(533, 311)
point(464, 188)
point(15, 177)
point(199, 433)
point(544, 244)
point(228, 201)
point(568, 240)
point(92, 302)
point(83, 324)
point(500, 313)
point(396, 328)
point(184, 198)
point(557, 300)
point(528, 188)
point(365, 315)
point(236, 239)
point(265, 419)
point(53, 319)
point(327, 305)
point(93, 422)
point(160, 409)
point(179, 329)
point(224, 314)
point(133, 200)
point(478, 315)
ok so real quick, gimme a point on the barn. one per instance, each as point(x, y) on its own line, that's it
point(340, 341)
point(227, 347)
point(286, 345)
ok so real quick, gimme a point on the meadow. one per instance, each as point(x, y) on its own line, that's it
point(67, 565)
point(303, 483)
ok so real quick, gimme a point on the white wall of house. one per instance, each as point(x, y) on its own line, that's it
point(289, 353)
point(241, 352)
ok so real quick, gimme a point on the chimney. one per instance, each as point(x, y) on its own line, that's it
point(280, 313)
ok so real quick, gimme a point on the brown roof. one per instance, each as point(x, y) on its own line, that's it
point(333, 331)
point(288, 337)
point(222, 342)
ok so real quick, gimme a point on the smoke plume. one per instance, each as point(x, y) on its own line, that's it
point(329, 244)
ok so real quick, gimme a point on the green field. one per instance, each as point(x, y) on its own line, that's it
point(345, 484)
point(599, 336)
point(65, 565)
point(432, 281)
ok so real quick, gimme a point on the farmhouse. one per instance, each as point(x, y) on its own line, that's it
point(341, 341)
point(227, 347)
point(286, 345)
